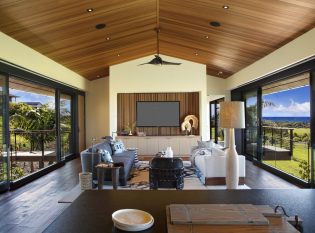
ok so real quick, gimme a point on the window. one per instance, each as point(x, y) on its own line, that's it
point(65, 125)
point(286, 126)
point(32, 123)
point(216, 132)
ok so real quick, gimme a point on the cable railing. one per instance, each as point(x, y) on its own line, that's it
point(30, 151)
point(287, 149)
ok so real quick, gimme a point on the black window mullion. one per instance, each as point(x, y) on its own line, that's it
point(58, 143)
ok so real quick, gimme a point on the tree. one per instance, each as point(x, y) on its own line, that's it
point(24, 118)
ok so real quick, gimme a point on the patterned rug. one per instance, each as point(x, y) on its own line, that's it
point(140, 181)
point(140, 176)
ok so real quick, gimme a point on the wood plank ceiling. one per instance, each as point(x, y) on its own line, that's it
point(65, 31)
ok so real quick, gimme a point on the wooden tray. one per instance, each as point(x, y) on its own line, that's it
point(176, 224)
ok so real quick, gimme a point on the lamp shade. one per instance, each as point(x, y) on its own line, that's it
point(232, 114)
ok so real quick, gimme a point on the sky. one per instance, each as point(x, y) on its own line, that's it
point(290, 103)
point(24, 96)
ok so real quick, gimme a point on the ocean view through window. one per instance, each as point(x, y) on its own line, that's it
point(286, 126)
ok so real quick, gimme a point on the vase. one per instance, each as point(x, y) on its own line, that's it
point(169, 152)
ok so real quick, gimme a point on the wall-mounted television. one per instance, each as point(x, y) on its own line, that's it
point(158, 114)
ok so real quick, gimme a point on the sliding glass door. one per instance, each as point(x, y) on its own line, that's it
point(286, 126)
point(278, 125)
point(65, 119)
point(32, 118)
point(216, 132)
point(4, 159)
point(252, 124)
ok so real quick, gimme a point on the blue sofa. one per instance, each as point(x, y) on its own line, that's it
point(126, 158)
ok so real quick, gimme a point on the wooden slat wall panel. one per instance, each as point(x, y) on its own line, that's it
point(126, 107)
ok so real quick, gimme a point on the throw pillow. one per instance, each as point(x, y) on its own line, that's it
point(205, 144)
point(105, 156)
point(216, 151)
point(117, 147)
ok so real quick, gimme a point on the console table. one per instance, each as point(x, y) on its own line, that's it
point(150, 145)
point(92, 210)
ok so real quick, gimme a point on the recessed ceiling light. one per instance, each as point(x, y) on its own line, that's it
point(100, 26)
point(196, 54)
point(220, 73)
point(215, 24)
point(107, 38)
point(225, 7)
point(89, 9)
point(118, 55)
point(207, 37)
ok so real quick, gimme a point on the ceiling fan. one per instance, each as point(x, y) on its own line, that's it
point(157, 60)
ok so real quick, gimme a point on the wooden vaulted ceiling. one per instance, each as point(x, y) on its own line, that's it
point(65, 31)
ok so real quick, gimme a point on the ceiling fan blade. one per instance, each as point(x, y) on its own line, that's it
point(144, 64)
point(170, 63)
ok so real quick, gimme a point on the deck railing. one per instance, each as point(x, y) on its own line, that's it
point(33, 150)
point(282, 150)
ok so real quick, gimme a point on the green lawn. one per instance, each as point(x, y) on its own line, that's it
point(301, 130)
point(300, 152)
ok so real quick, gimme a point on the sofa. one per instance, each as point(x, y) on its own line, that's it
point(210, 164)
point(124, 159)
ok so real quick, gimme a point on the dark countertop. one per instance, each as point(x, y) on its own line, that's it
point(92, 210)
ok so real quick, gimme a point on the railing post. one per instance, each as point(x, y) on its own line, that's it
point(41, 163)
point(272, 136)
point(281, 134)
point(291, 142)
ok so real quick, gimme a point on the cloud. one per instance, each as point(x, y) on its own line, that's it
point(294, 109)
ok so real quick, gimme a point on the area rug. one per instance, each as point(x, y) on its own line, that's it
point(140, 181)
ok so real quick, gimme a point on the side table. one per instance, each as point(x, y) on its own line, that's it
point(101, 168)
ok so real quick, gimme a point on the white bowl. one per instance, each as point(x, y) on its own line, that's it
point(132, 219)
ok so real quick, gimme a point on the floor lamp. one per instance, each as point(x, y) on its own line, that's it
point(232, 116)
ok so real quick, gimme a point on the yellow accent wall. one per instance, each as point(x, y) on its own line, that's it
point(129, 77)
point(19, 54)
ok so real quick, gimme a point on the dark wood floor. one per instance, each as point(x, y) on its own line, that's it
point(34, 206)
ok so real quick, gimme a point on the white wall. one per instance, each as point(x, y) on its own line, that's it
point(301, 48)
point(97, 110)
point(19, 54)
point(128, 77)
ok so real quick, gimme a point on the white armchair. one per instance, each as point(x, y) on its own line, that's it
point(213, 168)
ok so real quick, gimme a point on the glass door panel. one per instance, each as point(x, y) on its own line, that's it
point(251, 130)
point(81, 122)
point(66, 137)
point(286, 126)
point(32, 121)
point(4, 162)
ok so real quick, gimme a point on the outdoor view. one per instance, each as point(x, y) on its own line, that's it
point(286, 126)
point(32, 127)
point(3, 153)
point(65, 124)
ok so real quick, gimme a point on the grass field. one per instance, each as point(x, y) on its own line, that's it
point(300, 153)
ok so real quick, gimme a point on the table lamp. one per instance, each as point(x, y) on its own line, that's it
point(232, 116)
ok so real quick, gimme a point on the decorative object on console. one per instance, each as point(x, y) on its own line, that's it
point(232, 116)
point(186, 126)
point(194, 120)
point(141, 134)
point(169, 152)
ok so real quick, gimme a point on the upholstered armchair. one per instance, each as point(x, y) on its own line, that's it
point(166, 173)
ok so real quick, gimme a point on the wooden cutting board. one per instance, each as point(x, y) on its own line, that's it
point(276, 222)
point(227, 214)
